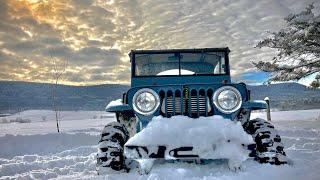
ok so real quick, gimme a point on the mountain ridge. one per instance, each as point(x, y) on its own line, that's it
point(20, 95)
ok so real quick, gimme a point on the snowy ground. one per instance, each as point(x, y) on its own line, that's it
point(35, 151)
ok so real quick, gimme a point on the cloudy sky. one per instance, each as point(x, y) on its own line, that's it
point(95, 36)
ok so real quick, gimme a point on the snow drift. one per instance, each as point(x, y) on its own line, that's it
point(211, 137)
point(27, 154)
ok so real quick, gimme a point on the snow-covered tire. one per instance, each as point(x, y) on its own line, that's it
point(110, 149)
point(269, 148)
point(128, 119)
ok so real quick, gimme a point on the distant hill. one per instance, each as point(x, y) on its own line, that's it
point(17, 96)
point(287, 96)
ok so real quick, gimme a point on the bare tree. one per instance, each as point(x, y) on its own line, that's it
point(298, 46)
point(58, 68)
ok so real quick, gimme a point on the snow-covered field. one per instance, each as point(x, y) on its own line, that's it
point(34, 150)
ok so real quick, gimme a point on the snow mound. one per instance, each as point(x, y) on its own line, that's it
point(17, 120)
point(211, 137)
point(49, 115)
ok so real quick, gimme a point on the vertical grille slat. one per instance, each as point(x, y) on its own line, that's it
point(181, 102)
point(173, 103)
point(166, 103)
point(206, 104)
point(198, 104)
point(189, 99)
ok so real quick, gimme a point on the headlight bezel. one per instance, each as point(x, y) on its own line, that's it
point(217, 104)
point(145, 90)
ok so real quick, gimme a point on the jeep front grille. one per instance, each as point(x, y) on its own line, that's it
point(190, 103)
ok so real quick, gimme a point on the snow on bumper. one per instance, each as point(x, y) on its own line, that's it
point(167, 152)
point(181, 137)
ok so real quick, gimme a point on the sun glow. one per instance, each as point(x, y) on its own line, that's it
point(33, 1)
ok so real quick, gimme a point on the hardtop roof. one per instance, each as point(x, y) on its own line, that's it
point(225, 49)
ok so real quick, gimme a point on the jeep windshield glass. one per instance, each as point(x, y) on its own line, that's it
point(175, 64)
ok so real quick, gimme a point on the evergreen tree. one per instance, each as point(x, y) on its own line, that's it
point(298, 46)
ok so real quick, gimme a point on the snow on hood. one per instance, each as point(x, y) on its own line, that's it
point(202, 133)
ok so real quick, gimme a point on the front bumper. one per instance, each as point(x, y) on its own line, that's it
point(172, 153)
point(159, 152)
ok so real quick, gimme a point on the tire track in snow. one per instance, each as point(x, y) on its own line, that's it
point(78, 160)
point(50, 155)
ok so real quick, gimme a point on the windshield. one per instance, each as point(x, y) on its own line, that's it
point(174, 64)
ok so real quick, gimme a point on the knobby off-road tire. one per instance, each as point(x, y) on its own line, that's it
point(269, 148)
point(110, 149)
point(128, 119)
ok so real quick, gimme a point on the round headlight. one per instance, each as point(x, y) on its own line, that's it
point(227, 99)
point(146, 101)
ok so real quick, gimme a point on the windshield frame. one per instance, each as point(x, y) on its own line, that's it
point(224, 50)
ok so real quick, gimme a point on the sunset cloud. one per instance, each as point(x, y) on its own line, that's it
point(95, 36)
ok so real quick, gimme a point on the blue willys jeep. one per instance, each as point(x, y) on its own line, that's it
point(188, 82)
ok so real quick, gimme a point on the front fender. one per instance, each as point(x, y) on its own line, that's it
point(255, 105)
point(119, 108)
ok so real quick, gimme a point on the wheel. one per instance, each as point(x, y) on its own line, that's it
point(128, 119)
point(110, 148)
point(269, 148)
